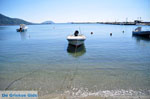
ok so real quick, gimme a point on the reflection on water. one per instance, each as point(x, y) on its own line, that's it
point(76, 51)
point(24, 35)
point(3, 27)
point(141, 38)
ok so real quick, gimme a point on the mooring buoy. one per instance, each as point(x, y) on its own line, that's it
point(110, 34)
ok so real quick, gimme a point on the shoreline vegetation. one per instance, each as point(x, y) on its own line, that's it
point(4, 20)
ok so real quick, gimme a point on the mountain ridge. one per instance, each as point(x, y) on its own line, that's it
point(47, 22)
point(5, 20)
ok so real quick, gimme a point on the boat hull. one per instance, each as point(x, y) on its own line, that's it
point(141, 33)
point(23, 30)
point(76, 42)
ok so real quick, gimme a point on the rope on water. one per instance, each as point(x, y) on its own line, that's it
point(69, 76)
point(18, 80)
point(75, 72)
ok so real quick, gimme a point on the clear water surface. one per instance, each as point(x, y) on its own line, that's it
point(41, 59)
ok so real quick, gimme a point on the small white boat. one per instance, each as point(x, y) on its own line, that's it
point(22, 28)
point(138, 32)
point(76, 40)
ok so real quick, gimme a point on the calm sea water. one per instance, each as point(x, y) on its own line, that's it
point(41, 59)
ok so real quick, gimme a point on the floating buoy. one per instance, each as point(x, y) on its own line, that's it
point(91, 32)
point(110, 34)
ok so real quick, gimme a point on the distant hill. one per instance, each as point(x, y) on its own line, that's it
point(4, 20)
point(48, 22)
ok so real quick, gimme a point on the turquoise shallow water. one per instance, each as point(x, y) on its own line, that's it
point(41, 59)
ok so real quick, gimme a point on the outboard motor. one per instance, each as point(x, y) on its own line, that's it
point(76, 33)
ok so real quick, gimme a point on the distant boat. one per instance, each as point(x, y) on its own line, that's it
point(76, 40)
point(138, 32)
point(22, 28)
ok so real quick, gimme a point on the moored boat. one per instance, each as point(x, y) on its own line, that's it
point(22, 28)
point(138, 32)
point(76, 39)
